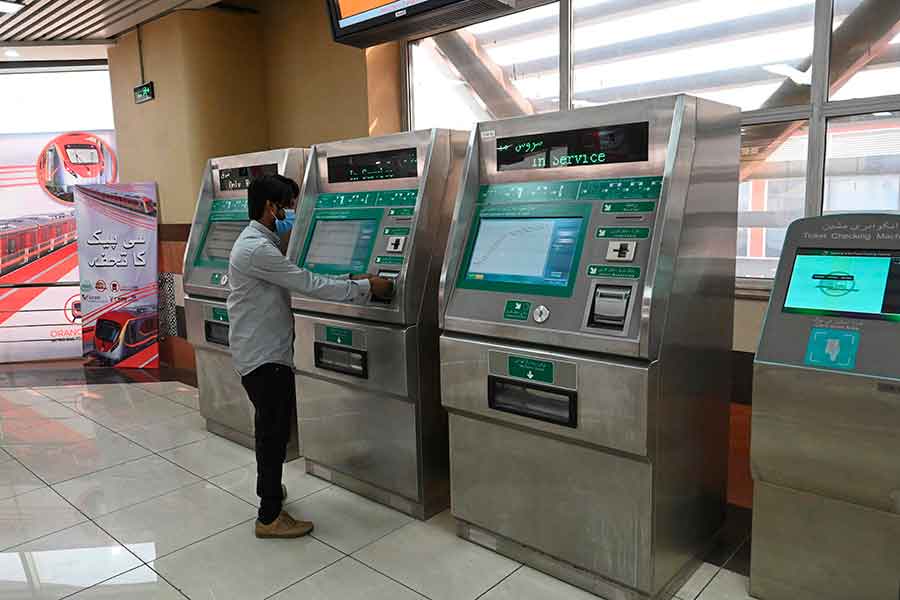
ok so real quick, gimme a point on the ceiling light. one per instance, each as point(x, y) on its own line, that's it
point(883, 114)
point(10, 7)
point(11, 53)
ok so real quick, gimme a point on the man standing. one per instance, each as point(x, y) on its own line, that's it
point(261, 337)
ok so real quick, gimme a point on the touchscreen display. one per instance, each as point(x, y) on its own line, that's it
point(530, 250)
point(220, 238)
point(853, 283)
point(341, 246)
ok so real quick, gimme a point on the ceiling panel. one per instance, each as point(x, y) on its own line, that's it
point(56, 21)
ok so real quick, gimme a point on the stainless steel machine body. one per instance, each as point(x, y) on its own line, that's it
point(367, 375)
point(220, 216)
point(826, 415)
point(587, 303)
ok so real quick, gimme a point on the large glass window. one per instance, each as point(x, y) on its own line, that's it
point(865, 49)
point(772, 193)
point(750, 54)
point(862, 167)
point(506, 67)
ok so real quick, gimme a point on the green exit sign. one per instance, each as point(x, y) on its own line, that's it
point(144, 93)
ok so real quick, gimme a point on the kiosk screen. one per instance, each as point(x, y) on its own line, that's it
point(851, 283)
point(524, 251)
point(341, 246)
point(220, 238)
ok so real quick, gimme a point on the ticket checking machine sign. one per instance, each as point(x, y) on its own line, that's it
point(826, 412)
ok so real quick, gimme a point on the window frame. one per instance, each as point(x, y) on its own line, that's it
point(817, 113)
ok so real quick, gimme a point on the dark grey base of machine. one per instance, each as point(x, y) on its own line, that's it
point(404, 505)
point(606, 589)
point(809, 547)
point(238, 437)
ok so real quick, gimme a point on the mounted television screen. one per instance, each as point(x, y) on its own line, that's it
point(364, 23)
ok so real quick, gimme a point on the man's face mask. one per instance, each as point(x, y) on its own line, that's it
point(284, 220)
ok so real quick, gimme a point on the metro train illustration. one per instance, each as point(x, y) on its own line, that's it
point(26, 239)
point(72, 159)
point(133, 201)
point(119, 334)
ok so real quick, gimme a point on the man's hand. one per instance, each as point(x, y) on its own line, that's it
point(382, 288)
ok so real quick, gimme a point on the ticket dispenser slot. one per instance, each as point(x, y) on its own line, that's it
point(342, 360)
point(532, 400)
point(216, 333)
point(609, 307)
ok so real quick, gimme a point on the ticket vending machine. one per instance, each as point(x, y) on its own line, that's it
point(825, 451)
point(221, 215)
point(588, 303)
point(368, 391)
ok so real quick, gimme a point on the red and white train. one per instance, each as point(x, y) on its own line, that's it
point(131, 200)
point(119, 334)
point(27, 239)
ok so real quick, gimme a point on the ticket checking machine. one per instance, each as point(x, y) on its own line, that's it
point(588, 301)
point(221, 215)
point(368, 390)
point(825, 451)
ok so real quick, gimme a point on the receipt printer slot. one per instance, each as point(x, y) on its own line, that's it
point(609, 307)
point(216, 333)
point(342, 360)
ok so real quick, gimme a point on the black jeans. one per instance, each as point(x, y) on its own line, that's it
point(271, 390)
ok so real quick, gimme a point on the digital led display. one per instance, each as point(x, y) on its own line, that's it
point(851, 283)
point(239, 178)
point(575, 148)
point(341, 246)
point(528, 251)
point(373, 166)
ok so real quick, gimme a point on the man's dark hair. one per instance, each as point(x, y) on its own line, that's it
point(295, 189)
point(265, 188)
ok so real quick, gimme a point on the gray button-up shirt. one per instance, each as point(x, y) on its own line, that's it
point(259, 306)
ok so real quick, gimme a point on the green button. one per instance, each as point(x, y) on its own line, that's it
point(402, 212)
point(396, 231)
point(517, 310)
point(216, 279)
point(388, 260)
point(628, 207)
point(614, 272)
point(530, 368)
point(339, 335)
point(220, 314)
point(623, 233)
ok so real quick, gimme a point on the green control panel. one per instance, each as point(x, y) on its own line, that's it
point(359, 232)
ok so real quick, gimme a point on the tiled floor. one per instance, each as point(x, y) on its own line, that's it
point(117, 491)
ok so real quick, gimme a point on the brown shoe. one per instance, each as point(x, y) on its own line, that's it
point(284, 526)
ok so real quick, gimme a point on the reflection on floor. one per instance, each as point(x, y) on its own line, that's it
point(117, 491)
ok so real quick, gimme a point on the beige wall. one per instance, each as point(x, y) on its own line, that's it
point(316, 88)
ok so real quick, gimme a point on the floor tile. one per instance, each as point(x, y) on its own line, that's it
point(142, 583)
point(63, 563)
point(727, 585)
point(34, 514)
point(48, 409)
point(175, 391)
point(136, 410)
point(347, 579)
point(211, 456)
point(165, 524)
point(74, 393)
point(696, 582)
point(168, 434)
point(53, 432)
point(11, 398)
point(55, 464)
point(109, 490)
point(5, 456)
point(528, 584)
point(740, 562)
point(432, 560)
point(190, 398)
point(16, 479)
point(345, 520)
point(242, 482)
point(234, 564)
